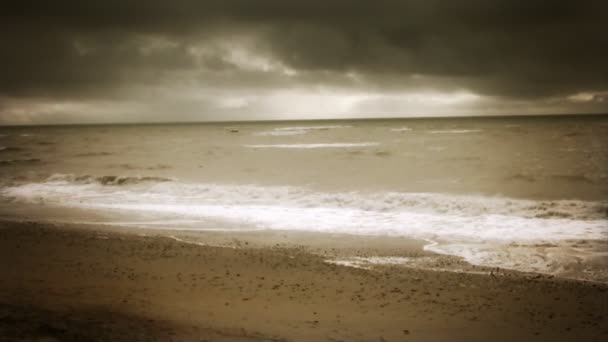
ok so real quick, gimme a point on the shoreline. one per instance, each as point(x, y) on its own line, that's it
point(335, 247)
point(62, 281)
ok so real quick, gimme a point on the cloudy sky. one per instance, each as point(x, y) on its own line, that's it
point(75, 61)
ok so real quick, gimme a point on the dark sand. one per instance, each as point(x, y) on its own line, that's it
point(66, 283)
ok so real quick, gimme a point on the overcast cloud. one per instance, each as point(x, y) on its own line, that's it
point(182, 60)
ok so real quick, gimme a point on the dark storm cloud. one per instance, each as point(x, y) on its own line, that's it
point(504, 48)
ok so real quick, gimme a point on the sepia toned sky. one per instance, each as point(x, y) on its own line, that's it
point(75, 61)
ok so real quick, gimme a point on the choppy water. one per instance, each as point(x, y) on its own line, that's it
point(524, 193)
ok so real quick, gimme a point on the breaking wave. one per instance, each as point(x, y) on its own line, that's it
point(480, 229)
point(297, 130)
point(168, 190)
point(9, 162)
point(105, 180)
point(401, 129)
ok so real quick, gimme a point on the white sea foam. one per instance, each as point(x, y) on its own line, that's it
point(319, 145)
point(560, 257)
point(167, 190)
point(478, 228)
point(401, 129)
point(455, 131)
point(427, 262)
point(297, 130)
point(366, 262)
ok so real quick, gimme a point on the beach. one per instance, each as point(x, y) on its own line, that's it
point(520, 193)
point(341, 171)
point(448, 229)
point(63, 282)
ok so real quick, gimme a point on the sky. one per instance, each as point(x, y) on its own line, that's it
point(75, 61)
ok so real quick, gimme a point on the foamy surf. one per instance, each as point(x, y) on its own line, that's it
point(298, 130)
point(401, 129)
point(524, 235)
point(427, 263)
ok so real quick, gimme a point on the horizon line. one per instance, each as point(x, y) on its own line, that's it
point(304, 120)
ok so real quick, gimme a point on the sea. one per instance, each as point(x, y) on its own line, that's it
point(522, 193)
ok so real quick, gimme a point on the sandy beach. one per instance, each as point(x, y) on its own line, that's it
point(70, 283)
point(303, 171)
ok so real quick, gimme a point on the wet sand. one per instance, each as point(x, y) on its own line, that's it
point(68, 283)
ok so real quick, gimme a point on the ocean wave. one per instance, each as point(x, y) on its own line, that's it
point(401, 129)
point(8, 162)
point(578, 259)
point(318, 145)
point(455, 131)
point(491, 231)
point(168, 190)
point(60, 179)
point(297, 130)
point(434, 263)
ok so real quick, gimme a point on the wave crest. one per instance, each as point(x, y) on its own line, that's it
point(8, 162)
point(167, 190)
point(107, 180)
point(480, 229)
